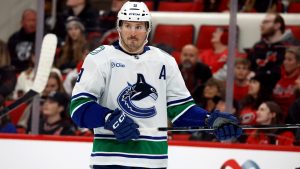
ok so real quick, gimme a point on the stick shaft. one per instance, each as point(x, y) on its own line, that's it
point(244, 127)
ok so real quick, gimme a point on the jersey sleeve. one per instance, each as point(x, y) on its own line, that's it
point(181, 108)
point(84, 109)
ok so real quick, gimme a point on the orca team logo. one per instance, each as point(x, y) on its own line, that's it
point(138, 92)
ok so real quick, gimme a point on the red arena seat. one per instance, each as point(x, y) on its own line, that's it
point(180, 6)
point(295, 29)
point(294, 7)
point(176, 36)
point(150, 5)
point(205, 35)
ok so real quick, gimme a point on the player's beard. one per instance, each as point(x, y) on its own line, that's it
point(132, 44)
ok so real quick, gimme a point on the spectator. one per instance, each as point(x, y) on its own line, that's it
point(81, 9)
point(293, 116)
point(216, 57)
point(283, 92)
point(109, 18)
point(72, 50)
point(270, 113)
point(6, 126)
point(21, 43)
point(7, 72)
point(54, 115)
point(259, 91)
point(25, 80)
point(241, 81)
point(54, 84)
point(71, 77)
point(267, 55)
point(213, 90)
point(194, 73)
point(211, 5)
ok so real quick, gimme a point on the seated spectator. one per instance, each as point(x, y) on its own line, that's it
point(213, 90)
point(194, 73)
point(54, 84)
point(6, 126)
point(54, 115)
point(241, 81)
point(267, 55)
point(283, 93)
point(293, 116)
point(108, 19)
point(71, 77)
point(21, 43)
point(25, 80)
point(212, 5)
point(7, 72)
point(73, 47)
point(259, 91)
point(270, 113)
point(81, 9)
point(216, 57)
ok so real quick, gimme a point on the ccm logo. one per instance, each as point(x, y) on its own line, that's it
point(120, 120)
point(117, 65)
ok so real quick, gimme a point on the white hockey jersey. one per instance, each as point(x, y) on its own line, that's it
point(148, 87)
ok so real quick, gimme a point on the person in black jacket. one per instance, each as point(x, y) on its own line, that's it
point(194, 73)
point(21, 43)
point(267, 55)
point(83, 10)
point(54, 121)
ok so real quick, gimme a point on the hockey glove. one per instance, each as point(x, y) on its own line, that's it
point(123, 127)
point(225, 125)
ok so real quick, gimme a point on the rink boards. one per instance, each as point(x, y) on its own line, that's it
point(49, 152)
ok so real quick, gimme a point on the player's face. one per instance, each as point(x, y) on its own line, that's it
point(241, 72)
point(264, 115)
point(133, 35)
point(290, 62)
point(267, 26)
point(74, 32)
point(51, 108)
point(254, 87)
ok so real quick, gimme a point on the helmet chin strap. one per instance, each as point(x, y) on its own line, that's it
point(138, 50)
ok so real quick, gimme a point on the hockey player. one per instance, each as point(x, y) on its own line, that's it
point(126, 88)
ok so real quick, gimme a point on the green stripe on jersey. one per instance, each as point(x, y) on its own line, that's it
point(133, 147)
point(174, 111)
point(78, 102)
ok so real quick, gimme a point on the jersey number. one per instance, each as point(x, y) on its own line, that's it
point(79, 75)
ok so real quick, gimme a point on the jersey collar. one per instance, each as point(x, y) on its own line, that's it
point(117, 46)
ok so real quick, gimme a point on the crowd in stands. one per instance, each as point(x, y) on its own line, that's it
point(266, 77)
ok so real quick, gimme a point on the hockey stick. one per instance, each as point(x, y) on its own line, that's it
point(44, 67)
point(244, 127)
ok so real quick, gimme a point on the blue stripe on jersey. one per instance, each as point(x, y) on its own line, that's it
point(129, 155)
point(163, 138)
point(179, 101)
point(90, 115)
point(194, 116)
point(84, 94)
